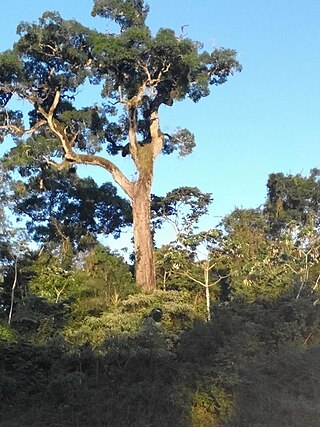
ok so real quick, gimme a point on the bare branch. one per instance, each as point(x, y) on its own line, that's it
point(54, 104)
point(218, 280)
point(146, 70)
point(93, 160)
point(292, 269)
point(14, 284)
point(136, 100)
point(193, 279)
point(74, 138)
point(20, 131)
point(317, 283)
point(201, 283)
point(58, 166)
point(57, 128)
point(163, 71)
point(54, 50)
point(153, 82)
point(116, 173)
point(120, 93)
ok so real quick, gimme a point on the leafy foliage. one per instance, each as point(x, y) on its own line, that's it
point(60, 205)
point(182, 208)
point(293, 198)
point(200, 373)
point(125, 13)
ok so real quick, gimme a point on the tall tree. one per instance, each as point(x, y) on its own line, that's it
point(138, 72)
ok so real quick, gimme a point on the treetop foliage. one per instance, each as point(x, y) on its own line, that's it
point(293, 198)
point(128, 13)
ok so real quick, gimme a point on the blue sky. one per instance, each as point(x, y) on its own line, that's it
point(263, 120)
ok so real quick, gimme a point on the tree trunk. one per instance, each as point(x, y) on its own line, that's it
point(15, 280)
point(208, 303)
point(145, 264)
point(206, 285)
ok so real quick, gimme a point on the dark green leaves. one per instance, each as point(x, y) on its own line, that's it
point(80, 206)
point(293, 198)
point(222, 63)
point(182, 207)
point(126, 13)
point(54, 53)
point(182, 140)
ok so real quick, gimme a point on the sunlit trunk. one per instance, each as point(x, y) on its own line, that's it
point(144, 256)
point(207, 288)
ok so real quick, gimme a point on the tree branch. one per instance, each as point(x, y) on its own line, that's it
point(87, 159)
point(154, 81)
point(93, 160)
point(193, 279)
point(203, 284)
point(19, 131)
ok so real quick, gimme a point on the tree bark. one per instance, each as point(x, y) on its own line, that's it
point(145, 264)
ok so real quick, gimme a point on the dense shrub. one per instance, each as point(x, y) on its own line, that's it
point(254, 364)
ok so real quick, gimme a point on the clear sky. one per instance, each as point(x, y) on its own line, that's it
point(263, 120)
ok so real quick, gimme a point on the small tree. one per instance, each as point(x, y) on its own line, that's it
point(205, 267)
point(182, 209)
point(198, 259)
point(13, 248)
